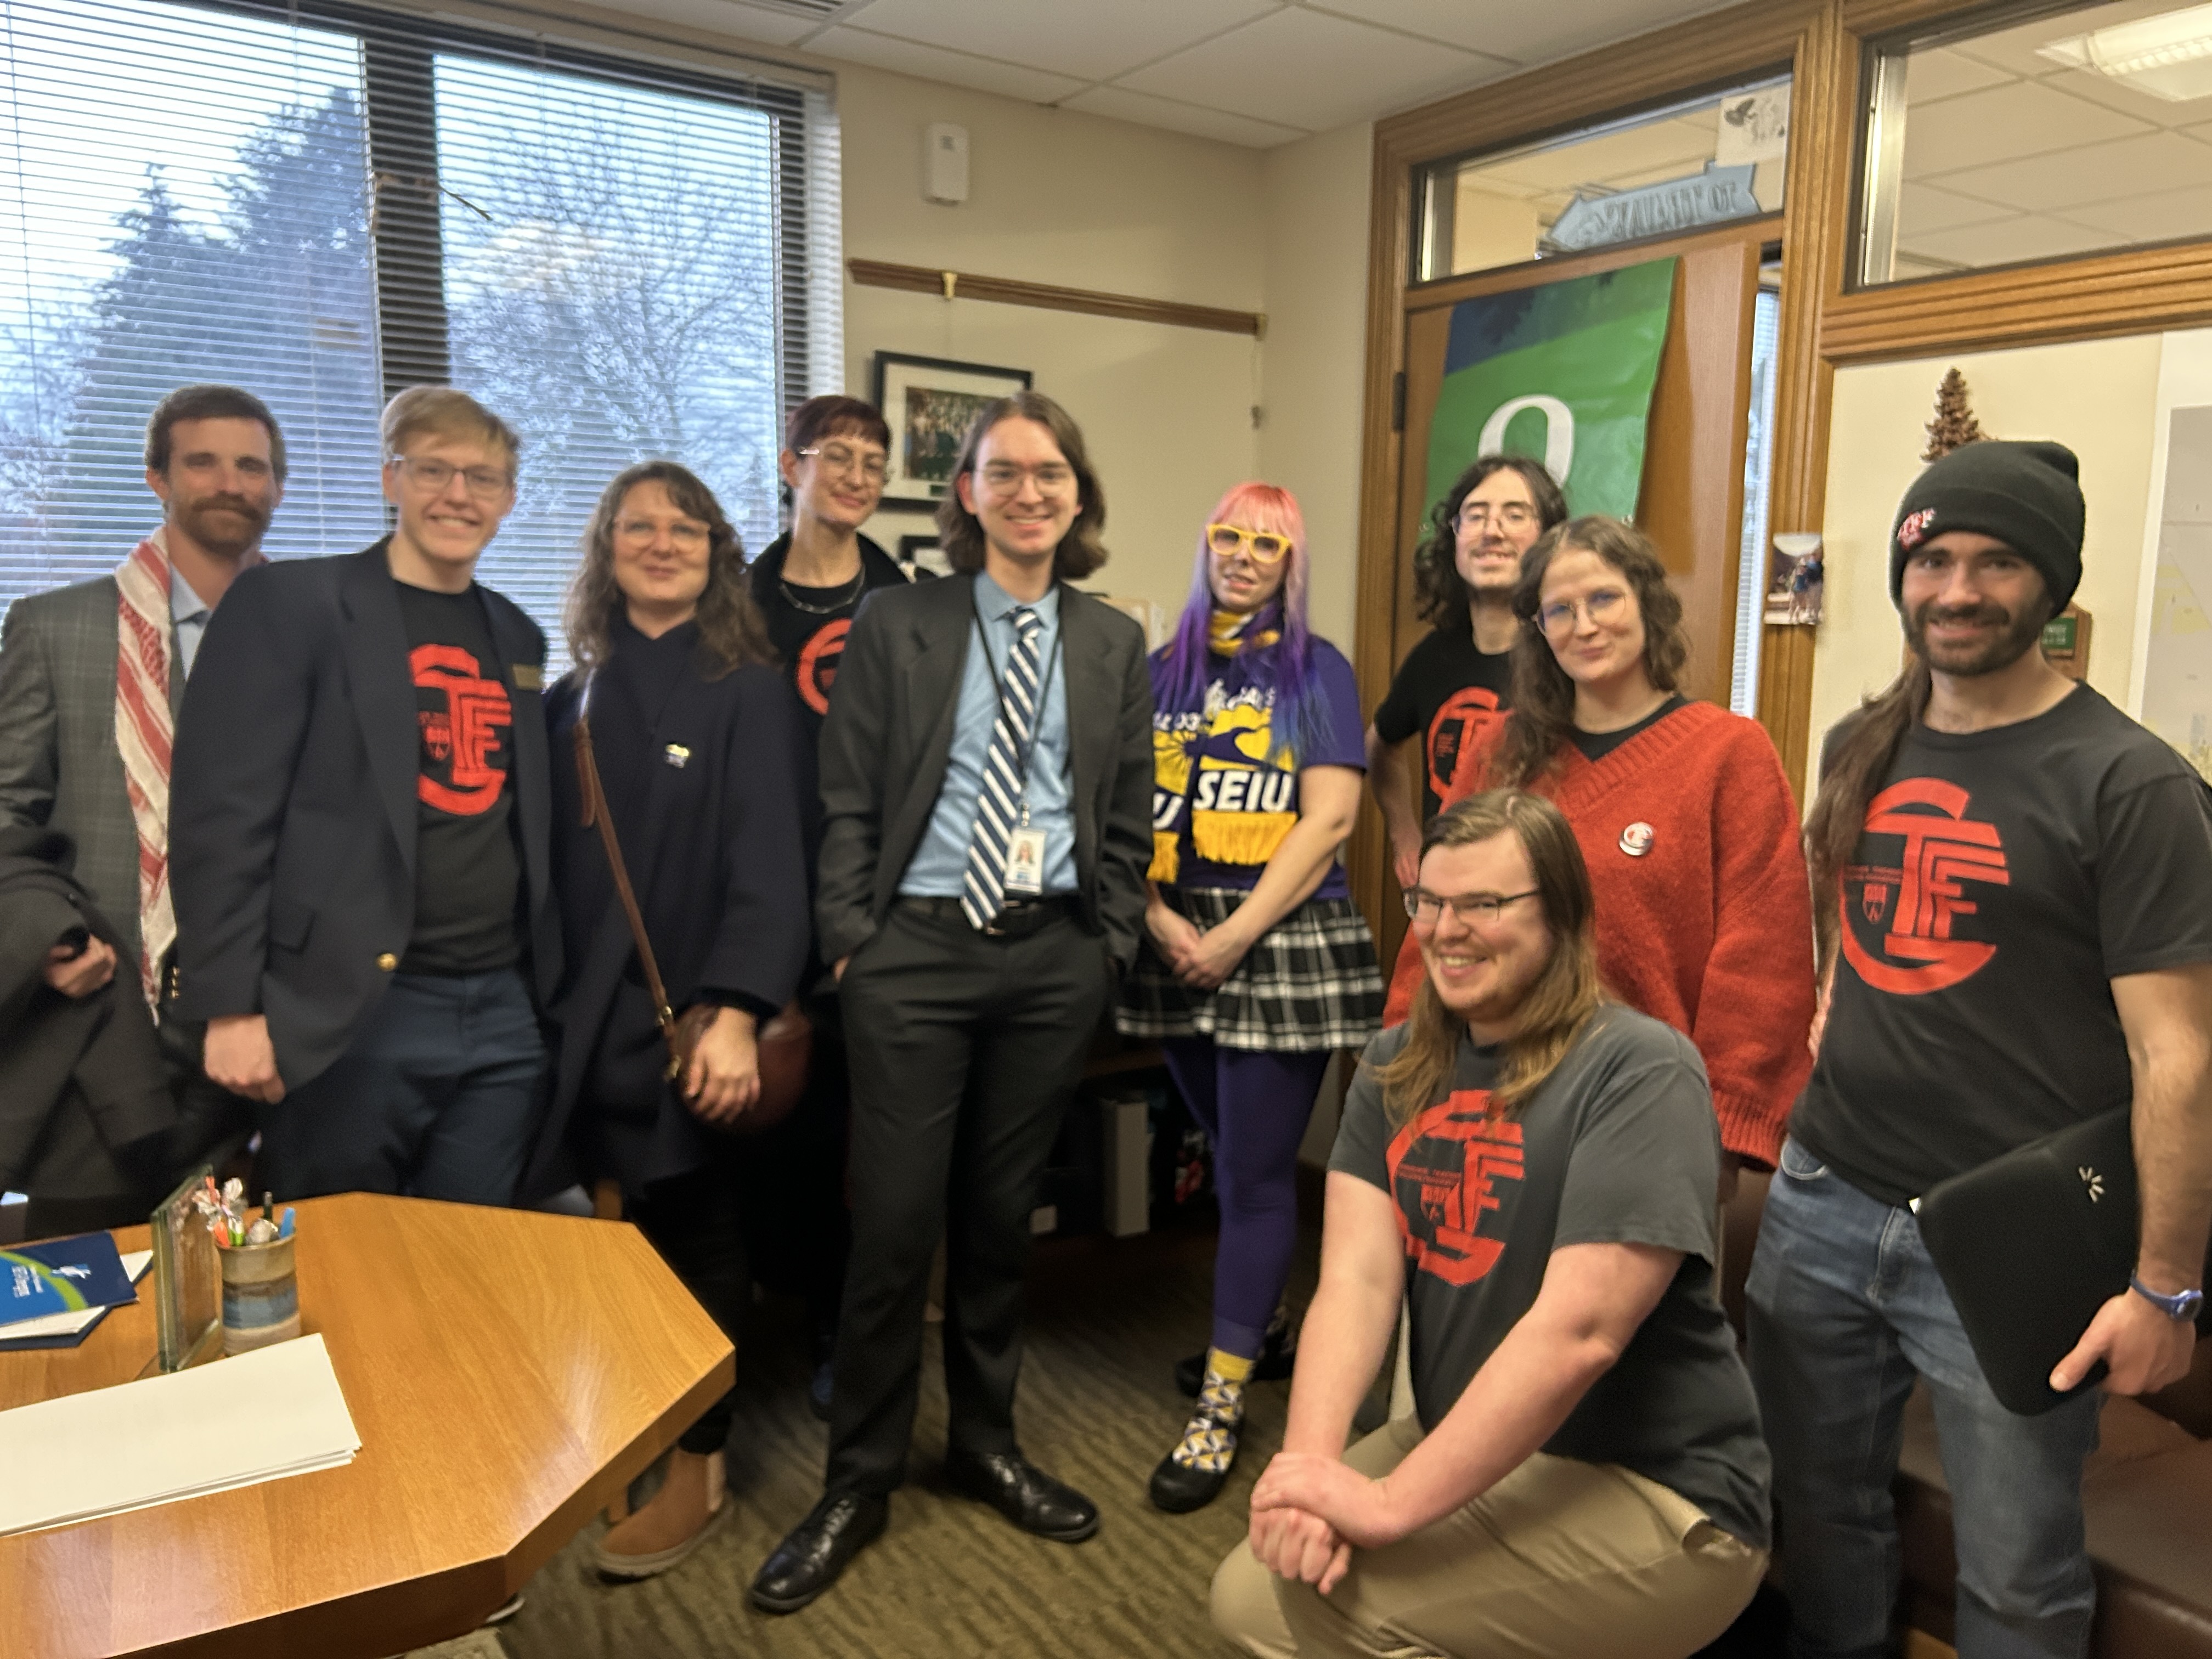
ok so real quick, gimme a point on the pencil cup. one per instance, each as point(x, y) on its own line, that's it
point(260, 1295)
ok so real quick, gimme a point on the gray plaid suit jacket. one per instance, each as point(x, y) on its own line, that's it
point(59, 765)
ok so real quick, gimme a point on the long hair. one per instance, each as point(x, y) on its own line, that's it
point(1439, 595)
point(1851, 772)
point(1543, 714)
point(730, 631)
point(961, 535)
point(1564, 995)
point(1300, 722)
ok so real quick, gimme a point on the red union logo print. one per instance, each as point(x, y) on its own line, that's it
point(1924, 895)
point(1453, 730)
point(461, 738)
point(1444, 1168)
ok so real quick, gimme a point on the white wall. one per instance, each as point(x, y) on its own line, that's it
point(2098, 397)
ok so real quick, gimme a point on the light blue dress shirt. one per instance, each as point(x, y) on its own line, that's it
point(941, 859)
point(190, 613)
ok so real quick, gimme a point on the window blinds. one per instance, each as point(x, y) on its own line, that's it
point(325, 203)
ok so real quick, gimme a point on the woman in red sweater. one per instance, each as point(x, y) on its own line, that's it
point(1704, 911)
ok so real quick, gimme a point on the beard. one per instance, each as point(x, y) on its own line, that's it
point(2014, 637)
point(226, 526)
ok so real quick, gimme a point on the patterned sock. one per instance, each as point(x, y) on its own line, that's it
point(1209, 1440)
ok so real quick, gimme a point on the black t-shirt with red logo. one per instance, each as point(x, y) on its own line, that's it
point(466, 870)
point(1618, 1146)
point(1449, 691)
point(2004, 879)
point(809, 624)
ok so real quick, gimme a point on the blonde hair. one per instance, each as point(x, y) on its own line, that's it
point(445, 411)
point(1565, 993)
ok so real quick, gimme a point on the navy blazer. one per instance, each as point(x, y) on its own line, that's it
point(292, 803)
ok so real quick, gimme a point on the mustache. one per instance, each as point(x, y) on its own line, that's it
point(1986, 611)
point(239, 504)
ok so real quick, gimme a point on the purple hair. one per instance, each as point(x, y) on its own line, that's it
point(1181, 669)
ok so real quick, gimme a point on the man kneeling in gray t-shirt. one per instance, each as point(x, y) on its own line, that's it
point(1532, 1168)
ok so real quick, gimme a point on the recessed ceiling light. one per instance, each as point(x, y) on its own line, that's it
point(2169, 55)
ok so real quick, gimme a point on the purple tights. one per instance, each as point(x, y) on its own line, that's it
point(1253, 1106)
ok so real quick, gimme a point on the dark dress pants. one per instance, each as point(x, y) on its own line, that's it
point(693, 1220)
point(963, 1050)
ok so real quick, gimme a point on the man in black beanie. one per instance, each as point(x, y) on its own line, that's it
point(2019, 878)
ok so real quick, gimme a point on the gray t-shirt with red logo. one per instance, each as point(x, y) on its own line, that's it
point(1618, 1146)
point(2005, 878)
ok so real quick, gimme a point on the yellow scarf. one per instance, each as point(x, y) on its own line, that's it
point(1226, 628)
point(1244, 802)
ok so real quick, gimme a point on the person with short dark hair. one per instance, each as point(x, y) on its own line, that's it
point(91, 680)
point(1687, 825)
point(1528, 1167)
point(986, 773)
point(364, 914)
point(1458, 681)
point(2014, 885)
point(700, 755)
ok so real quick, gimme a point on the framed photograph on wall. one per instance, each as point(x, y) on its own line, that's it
point(930, 402)
point(920, 557)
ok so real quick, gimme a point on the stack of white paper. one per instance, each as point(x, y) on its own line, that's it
point(135, 1263)
point(258, 1416)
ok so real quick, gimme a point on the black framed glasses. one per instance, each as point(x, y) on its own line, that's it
point(1474, 909)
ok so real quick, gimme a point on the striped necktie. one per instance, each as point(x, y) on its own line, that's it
point(983, 887)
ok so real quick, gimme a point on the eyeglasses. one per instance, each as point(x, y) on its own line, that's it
point(1510, 515)
point(850, 463)
point(1474, 909)
point(486, 484)
point(1264, 545)
point(1601, 607)
point(684, 533)
point(1004, 479)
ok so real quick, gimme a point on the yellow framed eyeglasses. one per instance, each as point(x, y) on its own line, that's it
point(1265, 546)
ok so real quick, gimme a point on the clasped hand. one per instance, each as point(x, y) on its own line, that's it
point(1309, 1514)
point(1200, 960)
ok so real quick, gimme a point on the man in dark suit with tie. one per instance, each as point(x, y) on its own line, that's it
point(987, 787)
point(358, 840)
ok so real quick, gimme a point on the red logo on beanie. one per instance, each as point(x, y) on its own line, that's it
point(1909, 532)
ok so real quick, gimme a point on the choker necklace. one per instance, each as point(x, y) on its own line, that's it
point(852, 592)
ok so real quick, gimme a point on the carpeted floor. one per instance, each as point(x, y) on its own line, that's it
point(1098, 1407)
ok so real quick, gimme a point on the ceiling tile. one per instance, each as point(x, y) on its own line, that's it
point(1147, 111)
point(961, 69)
point(2003, 124)
point(762, 23)
point(2158, 218)
point(2030, 236)
point(1521, 34)
point(2015, 50)
point(1323, 70)
point(1922, 210)
point(1940, 74)
point(1681, 143)
point(2114, 93)
point(2094, 172)
point(1090, 40)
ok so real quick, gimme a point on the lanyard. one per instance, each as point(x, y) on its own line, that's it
point(1023, 750)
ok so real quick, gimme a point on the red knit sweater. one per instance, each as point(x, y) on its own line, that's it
point(1711, 929)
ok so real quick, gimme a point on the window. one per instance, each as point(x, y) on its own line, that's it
point(1709, 160)
point(2080, 129)
point(324, 205)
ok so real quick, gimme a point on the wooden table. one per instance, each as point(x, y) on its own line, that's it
point(508, 1373)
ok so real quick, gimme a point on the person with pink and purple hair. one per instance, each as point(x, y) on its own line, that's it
point(1255, 965)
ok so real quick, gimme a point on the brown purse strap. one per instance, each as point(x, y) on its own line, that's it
point(595, 811)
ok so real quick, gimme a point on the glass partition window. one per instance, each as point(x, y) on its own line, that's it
point(1708, 161)
point(2076, 130)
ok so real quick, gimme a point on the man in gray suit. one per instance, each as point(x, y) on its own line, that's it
point(85, 723)
point(986, 776)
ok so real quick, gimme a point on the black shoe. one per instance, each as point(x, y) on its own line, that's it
point(1025, 1494)
point(816, 1550)
point(1279, 1357)
point(1178, 1488)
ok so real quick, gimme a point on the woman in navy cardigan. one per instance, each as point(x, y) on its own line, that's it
point(697, 737)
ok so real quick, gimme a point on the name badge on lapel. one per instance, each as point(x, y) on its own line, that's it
point(1025, 860)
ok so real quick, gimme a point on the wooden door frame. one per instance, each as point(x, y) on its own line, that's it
point(1825, 44)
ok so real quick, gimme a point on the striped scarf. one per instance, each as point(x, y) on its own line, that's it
point(144, 733)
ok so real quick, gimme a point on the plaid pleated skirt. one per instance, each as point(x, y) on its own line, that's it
point(1312, 982)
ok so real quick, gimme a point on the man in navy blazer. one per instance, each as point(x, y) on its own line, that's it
point(358, 840)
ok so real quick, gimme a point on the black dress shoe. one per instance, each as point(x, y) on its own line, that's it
point(1025, 1494)
point(816, 1550)
point(1179, 1488)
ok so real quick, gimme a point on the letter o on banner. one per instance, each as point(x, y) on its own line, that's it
point(1558, 432)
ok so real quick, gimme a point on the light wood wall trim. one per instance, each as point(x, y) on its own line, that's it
point(1007, 290)
point(1869, 19)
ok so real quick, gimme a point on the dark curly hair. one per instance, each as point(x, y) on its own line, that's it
point(1439, 595)
point(1543, 717)
point(730, 631)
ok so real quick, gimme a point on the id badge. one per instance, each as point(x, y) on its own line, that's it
point(1025, 862)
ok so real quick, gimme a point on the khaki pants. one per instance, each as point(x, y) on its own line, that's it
point(1560, 1559)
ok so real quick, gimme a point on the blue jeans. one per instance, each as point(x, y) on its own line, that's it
point(438, 1095)
point(1845, 1307)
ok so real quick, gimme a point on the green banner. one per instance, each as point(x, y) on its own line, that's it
point(1562, 373)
